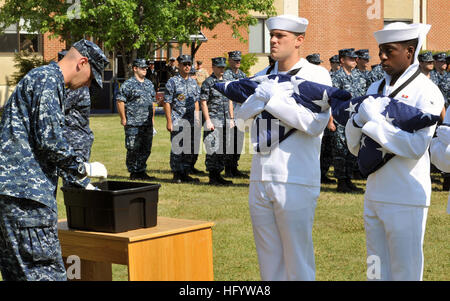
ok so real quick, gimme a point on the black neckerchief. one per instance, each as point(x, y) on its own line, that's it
point(394, 93)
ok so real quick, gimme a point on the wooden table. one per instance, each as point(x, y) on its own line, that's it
point(176, 249)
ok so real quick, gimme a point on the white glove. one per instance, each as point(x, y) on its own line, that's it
point(370, 109)
point(96, 170)
point(154, 131)
point(250, 108)
point(443, 133)
point(267, 89)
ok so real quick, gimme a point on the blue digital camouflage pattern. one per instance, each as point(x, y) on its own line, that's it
point(236, 137)
point(354, 82)
point(29, 244)
point(345, 164)
point(76, 127)
point(138, 98)
point(32, 145)
point(219, 114)
point(376, 73)
point(435, 77)
point(444, 85)
point(182, 94)
point(138, 142)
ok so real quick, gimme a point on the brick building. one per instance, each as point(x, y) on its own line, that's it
point(333, 25)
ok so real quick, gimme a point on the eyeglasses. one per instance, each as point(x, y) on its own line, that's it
point(187, 64)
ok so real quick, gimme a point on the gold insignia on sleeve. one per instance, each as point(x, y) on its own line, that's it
point(181, 97)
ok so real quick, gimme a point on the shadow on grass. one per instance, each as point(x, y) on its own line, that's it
point(169, 181)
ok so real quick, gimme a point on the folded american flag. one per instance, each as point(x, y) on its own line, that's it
point(313, 96)
point(371, 155)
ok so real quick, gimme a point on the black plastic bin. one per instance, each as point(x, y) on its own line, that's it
point(116, 207)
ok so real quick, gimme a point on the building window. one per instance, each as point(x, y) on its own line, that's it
point(14, 40)
point(389, 21)
point(259, 37)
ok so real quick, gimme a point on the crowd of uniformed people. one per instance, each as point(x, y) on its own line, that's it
point(41, 142)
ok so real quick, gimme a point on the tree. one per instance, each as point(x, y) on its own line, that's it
point(126, 26)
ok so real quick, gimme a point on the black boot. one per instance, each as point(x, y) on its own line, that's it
point(342, 186)
point(446, 183)
point(228, 172)
point(237, 174)
point(141, 176)
point(353, 186)
point(326, 180)
point(185, 178)
point(176, 178)
point(216, 179)
point(195, 171)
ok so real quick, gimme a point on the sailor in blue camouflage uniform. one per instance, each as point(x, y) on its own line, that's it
point(136, 111)
point(426, 63)
point(236, 137)
point(346, 78)
point(376, 73)
point(442, 79)
point(181, 108)
point(32, 152)
point(335, 64)
point(439, 75)
point(362, 64)
point(326, 148)
point(77, 109)
point(218, 114)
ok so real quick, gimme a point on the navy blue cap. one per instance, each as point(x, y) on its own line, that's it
point(184, 58)
point(235, 55)
point(334, 59)
point(349, 52)
point(61, 54)
point(219, 62)
point(97, 59)
point(314, 58)
point(440, 57)
point(363, 54)
point(426, 56)
point(142, 63)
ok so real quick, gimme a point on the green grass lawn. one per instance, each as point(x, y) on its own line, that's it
point(338, 233)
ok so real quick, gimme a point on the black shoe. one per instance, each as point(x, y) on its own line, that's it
point(357, 175)
point(228, 172)
point(216, 179)
point(233, 172)
point(353, 186)
point(327, 180)
point(141, 176)
point(446, 184)
point(176, 178)
point(342, 186)
point(187, 179)
point(195, 171)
